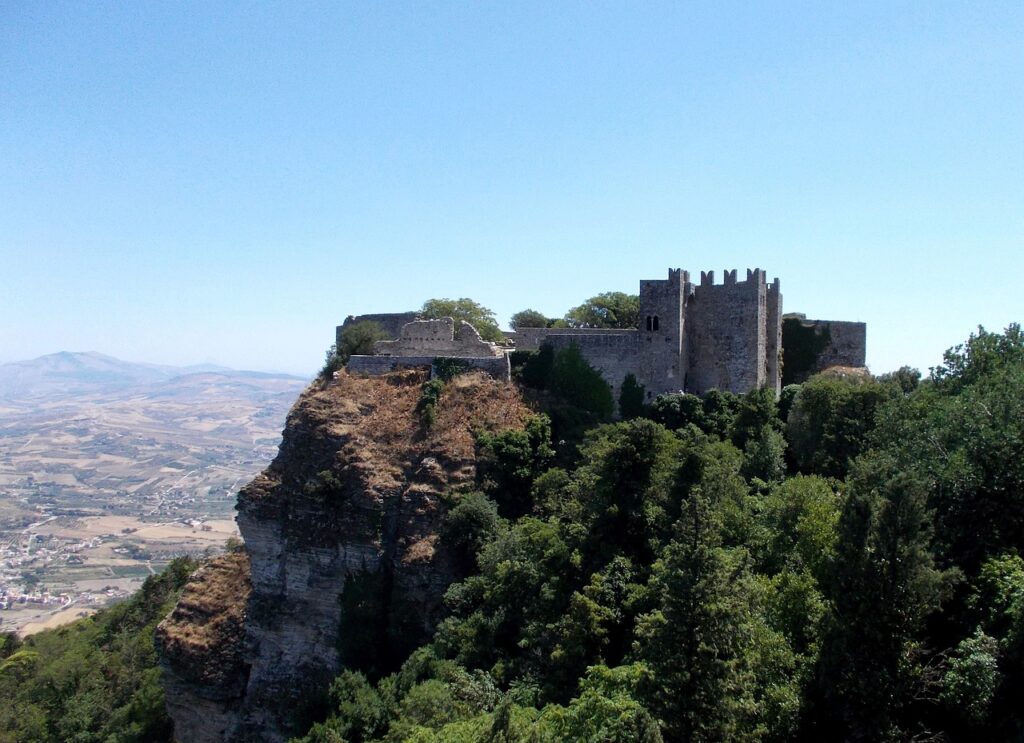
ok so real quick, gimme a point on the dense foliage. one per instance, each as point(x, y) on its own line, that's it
point(95, 679)
point(841, 564)
point(607, 310)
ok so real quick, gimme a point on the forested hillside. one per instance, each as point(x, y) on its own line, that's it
point(842, 564)
point(95, 679)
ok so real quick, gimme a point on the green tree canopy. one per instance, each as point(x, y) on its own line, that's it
point(608, 310)
point(529, 319)
point(466, 309)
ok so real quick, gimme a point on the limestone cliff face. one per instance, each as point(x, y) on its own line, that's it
point(346, 567)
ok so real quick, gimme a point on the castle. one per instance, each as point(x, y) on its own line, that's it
point(693, 337)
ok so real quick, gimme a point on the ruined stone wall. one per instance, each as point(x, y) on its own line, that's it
point(390, 322)
point(441, 337)
point(726, 325)
point(497, 366)
point(847, 345)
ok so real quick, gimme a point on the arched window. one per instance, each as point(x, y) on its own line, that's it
point(650, 324)
point(655, 322)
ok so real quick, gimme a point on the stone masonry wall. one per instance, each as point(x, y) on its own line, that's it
point(847, 346)
point(441, 337)
point(662, 342)
point(727, 339)
point(773, 337)
point(497, 366)
point(531, 339)
point(390, 322)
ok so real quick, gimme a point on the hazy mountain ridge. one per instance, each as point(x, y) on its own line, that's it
point(68, 372)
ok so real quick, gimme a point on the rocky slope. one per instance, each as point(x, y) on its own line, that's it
point(345, 562)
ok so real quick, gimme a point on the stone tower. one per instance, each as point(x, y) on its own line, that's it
point(662, 352)
point(734, 333)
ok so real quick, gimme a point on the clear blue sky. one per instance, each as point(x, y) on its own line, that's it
point(187, 182)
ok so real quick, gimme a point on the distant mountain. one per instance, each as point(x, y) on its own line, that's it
point(75, 373)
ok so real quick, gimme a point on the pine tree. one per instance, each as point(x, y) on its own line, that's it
point(883, 587)
point(696, 642)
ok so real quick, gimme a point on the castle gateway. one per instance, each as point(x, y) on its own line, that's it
point(692, 338)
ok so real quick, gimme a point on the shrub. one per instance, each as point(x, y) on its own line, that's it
point(429, 396)
point(447, 369)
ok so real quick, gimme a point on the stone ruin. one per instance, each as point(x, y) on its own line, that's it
point(693, 337)
point(443, 337)
point(421, 342)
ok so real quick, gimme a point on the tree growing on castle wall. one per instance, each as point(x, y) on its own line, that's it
point(466, 309)
point(607, 310)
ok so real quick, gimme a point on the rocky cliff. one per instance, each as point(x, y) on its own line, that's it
point(343, 556)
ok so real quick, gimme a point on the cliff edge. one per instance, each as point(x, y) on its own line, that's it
point(343, 557)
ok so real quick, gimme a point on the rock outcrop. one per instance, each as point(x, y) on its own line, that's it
point(202, 646)
point(346, 568)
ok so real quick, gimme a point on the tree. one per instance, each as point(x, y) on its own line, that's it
point(511, 460)
point(357, 339)
point(466, 309)
point(580, 384)
point(468, 526)
point(830, 421)
point(631, 398)
point(608, 310)
point(695, 643)
point(883, 588)
point(529, 319)
point(961, 431)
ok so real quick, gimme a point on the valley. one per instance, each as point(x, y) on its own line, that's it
point(108, 470)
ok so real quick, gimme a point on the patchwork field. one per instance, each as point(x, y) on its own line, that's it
point(108, 470)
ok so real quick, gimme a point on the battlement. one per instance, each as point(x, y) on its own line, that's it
point(755, 277)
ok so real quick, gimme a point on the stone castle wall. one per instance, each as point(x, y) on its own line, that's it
point(497, 366)
point(692, 337)
point(773, 337)
point(441, 337)
point(727, 333)
point(847, 345)
point(531, 339)
point(661, 365)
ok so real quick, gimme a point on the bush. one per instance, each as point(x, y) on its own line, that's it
point(468, 526)
point(357, 339)
point(510, 461)
point(533, 368)
point(429, 396)
point(447, 369)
